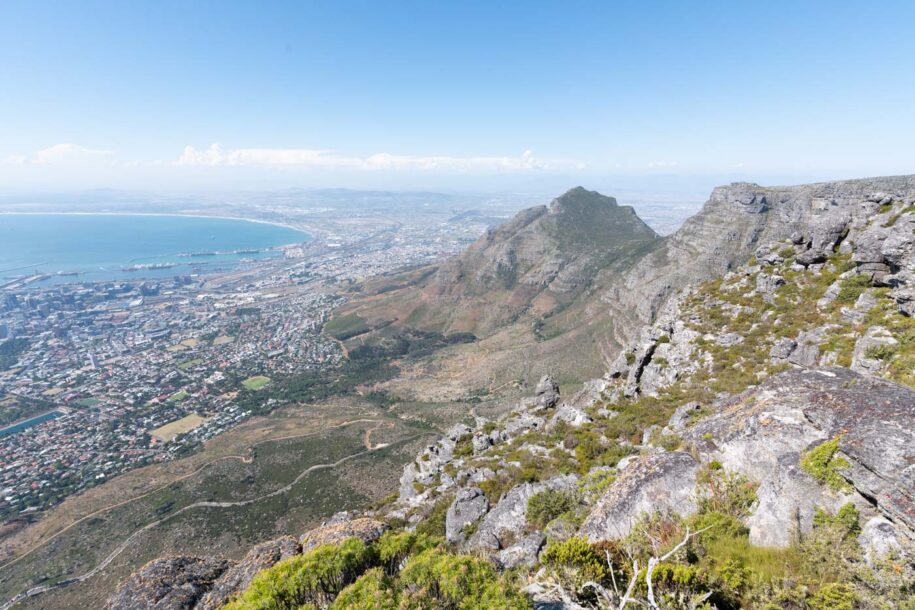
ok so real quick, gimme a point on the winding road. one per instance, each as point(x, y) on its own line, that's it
point(35, 591)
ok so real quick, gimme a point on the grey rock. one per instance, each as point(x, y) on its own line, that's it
point(768, 255)
point(366, 529)
point(468, 507)
point(763, 433)
point(782, 348)
point(237, 578)
point(866, 301)
point(852, 315)
point(522, 553)
point(766, 285)
point(830, 295)
point(825, 233)
point(508, 519)
point(547, 392)
point(728, 339)
point(662, 482)
point(905, 300)
point(880, 539)
point(429, 463)
point(573, 416)
point(807, 350)
point(560, 529)
point(874, 337)
point(482, 441)
point(682, 415)
point(649, 432)
point(176, 583)
point(521, 424)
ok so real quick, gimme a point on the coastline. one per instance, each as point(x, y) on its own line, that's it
point(172, 214)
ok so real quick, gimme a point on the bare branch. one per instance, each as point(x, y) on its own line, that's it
point(612, 575)
point(631, 587)
point(654, 561)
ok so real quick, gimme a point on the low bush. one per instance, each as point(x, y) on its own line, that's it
point(315, 577)
point(574, 562)
point(822, 464)
point(545, 506)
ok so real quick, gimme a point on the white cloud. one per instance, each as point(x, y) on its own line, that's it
point(59, 154)
point(216, 155)
point(663, 164)
point(65, 153)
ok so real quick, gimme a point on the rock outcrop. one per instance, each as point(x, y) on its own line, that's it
point(741, 217)
point(502, 525)
point(658, 483)
point(239, 576)
point(168, 584)
point(366, 529)
point(765, 432)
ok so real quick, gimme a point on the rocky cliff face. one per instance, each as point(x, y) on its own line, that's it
point(769, 395)
point(738, 219)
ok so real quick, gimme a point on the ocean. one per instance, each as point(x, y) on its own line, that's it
point(100, 247)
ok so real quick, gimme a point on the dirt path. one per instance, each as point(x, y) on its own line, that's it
point(367, 438)
point(35, 591)
point(244, 459)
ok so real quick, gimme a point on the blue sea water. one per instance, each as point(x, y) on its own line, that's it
point(99, 247)
point(28, 423)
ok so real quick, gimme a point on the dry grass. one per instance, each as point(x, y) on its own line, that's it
point(180, 426)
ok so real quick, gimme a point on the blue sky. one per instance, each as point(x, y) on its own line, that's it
point(475, 95)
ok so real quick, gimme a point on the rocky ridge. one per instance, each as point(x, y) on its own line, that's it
point(786, 382)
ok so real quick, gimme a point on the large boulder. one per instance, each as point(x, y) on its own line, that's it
point(522, 553)
point(866, 355)
point(176, 583)
point(765, 432)
point(654, 483)
point(366, 529)
point(237, 578)
point(468, 507)
point(507, 521)
point(547, 393)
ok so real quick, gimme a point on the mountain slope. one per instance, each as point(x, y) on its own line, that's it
point(736, 220)
point(754, 447)
point(534, 264)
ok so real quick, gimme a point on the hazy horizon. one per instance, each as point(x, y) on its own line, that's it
point(652, 97)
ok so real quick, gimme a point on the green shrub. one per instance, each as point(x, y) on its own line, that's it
point(394, 547)
point(846, 520)
point(315, 577)
point(434, 523)
point(574, 562)
point(459, 582)
point(832, 596)
point(851, 288)
point(464, 446)
point(822, 464)
point(724, 492)
point(881, 351)
point(430, 580)
point(594, 483)
point(545, 506)
point(372, 591)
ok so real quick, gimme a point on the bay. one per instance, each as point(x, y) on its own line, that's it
point(101, 246)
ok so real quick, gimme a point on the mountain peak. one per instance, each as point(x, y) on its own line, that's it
point(580, 197)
